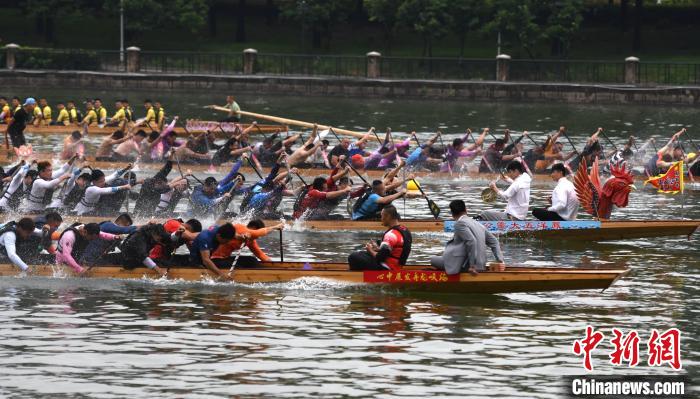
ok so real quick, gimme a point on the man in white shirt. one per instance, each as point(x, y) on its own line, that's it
point(41, 194)
point(517, 195)
point(11, 235)
point(564, 203)
point(93, 193)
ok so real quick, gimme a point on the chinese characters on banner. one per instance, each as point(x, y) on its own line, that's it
point(194, 125)
point(531, 225)
point(418, 276)
point(662, 348)
point(670, 182)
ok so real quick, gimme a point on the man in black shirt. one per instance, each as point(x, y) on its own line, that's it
point(15, 128)
point(338, 150)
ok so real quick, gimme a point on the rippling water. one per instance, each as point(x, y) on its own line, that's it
point(68, 338)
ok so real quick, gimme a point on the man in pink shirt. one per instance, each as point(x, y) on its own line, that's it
point(74, 240)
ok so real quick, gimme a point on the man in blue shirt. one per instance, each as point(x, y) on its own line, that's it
point(206, 197)
point(206, 242)
point(373, 203)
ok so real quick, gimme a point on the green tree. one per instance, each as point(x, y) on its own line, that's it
point(466, 14)
point(45, 13)
point(145, 15)
point(384, 12)
point(563, 22)
point(515, 21)
point(320, 16)
point(432, 19)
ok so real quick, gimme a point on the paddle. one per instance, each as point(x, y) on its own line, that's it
point(608, 139)
point(260, 130)
point(571, 142)
point(442, 143)
point(691, 140)
point(226, 203)
point(434, 208)
point(356, 172)
point(281, 247)
point(255, 169)
point(415, 138)
point(235, 259)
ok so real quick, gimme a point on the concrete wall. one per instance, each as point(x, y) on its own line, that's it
point(345, 87)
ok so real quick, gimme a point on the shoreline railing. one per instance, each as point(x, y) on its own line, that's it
point(630, 71)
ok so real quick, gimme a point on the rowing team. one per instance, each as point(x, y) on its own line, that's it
point(154, 245)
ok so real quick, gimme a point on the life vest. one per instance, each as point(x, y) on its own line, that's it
point(43, 200)
point(127, 114)
point(98, 111)
point(9, 226)
point(300, 198)
point(74, 196)
point(405, 247)
point(80, 242)
point(78, 115)
point(15, 199)
point(360, 201)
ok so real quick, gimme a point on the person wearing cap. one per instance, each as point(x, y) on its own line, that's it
point(563, 203)
point(16, 126)
point(91, 199)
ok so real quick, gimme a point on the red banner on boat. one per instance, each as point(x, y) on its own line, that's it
point(671, 181)
point(417, 276)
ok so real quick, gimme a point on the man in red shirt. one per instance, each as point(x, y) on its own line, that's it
point(393, 251)
point(313, 198)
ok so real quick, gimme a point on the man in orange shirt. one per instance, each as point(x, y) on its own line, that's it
point(246, 235)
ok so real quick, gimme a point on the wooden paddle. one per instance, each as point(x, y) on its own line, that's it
point(434, 208)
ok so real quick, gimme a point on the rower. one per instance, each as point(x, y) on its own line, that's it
point(136, 248)
point(75, 117)
point(518, 194)
point(75, 188)
point(16, 125)
point(180, 233)
point(160, 114)
point(11, 235)
point(466, 251)
point(246, 235)
point(91, 199)
point(19, 186)
point(207, 197)
point(41, 193)
point(263, 200)
point(130, 149)
point(151, 190)
point(494, 158)
point(48, 225)
point(73, 242)
point(666, 156)
point(551, 151)
point(310, 199)
point(73, 145)
point(324, 209)
point(5, 110)
point(150, 113)
point(187, 153)
point(119, 115)
point(90, 114)
point(42, 113)
point(63, 117)
point(339, 149)
point(590, 152)
point(420, 156)
point(456, 151)
point(123, 224)
point(564, 203)
point(128, 113)
point(301, 154)
point(233, 110)
point(104, 151)
point(101, 112)
point(370, 204)
point(207, 242)
point(391, 253)
point(169, 199)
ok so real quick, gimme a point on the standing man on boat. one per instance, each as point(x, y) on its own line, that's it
point(233, 109)
point(16, 126)
point(392, 252)
point(466, 251)
point(518, 194)
point(564, 203)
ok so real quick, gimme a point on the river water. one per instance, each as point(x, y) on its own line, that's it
point(70, 338)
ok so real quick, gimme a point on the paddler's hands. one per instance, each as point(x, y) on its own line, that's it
point(278, 226)
point(493, 186)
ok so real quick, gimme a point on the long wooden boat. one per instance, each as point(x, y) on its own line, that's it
point(192, 127)
point(305, 172)
point(413, 278)
point(579, 230)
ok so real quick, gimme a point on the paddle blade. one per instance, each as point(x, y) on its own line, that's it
point(434, 208)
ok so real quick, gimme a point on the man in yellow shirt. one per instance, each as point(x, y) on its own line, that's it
point(5, 111)
point(73, 114)
point(15, 104)
point(160, 114)
point(63, 117)
point(128, 113)
point(151, 118)
point(119, 115)
point(90, 114)
point(42, 113)
point(101, 112)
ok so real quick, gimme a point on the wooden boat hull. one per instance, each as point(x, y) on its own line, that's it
point(414, 278)
point(192, 127)
point(581, 230)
